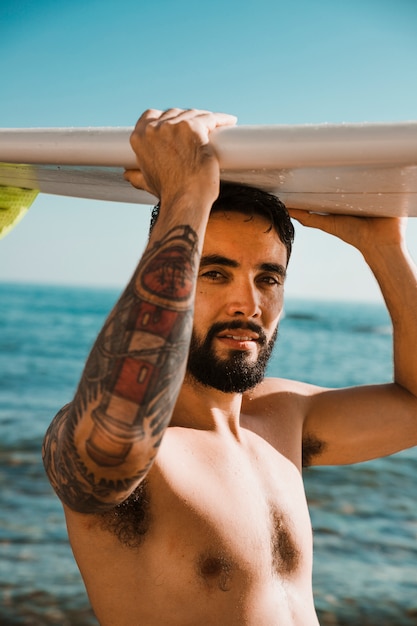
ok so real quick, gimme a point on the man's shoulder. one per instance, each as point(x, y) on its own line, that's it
point(271, 386)
point(279, 402)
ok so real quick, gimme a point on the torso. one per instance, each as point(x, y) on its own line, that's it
point(222, 536)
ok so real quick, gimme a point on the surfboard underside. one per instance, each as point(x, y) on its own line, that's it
point(356, 169)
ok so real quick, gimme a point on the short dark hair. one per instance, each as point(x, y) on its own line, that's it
point(251, 201)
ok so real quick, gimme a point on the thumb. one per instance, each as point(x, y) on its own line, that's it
point(136, 178)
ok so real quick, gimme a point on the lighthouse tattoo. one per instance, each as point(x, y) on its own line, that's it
point(145, 346)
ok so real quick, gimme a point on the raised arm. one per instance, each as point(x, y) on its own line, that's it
point(99, 447)
point(371, 421)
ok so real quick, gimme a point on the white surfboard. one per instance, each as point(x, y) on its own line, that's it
point(363, 169)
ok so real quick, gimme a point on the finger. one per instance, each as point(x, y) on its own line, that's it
point(135, 178)
point(323, 221)
point(149, 115)
point(296, 213)
point(209, 119)
point(304, 213)
point(219, 119)
point(303, 216)
point(175, 114)
point(212, 120)
point(178, 115)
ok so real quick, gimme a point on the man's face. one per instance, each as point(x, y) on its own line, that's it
point(239, 300)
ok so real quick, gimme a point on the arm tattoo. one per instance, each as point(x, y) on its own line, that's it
point(136, 367)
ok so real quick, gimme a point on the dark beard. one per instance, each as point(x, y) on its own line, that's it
point(235, 374)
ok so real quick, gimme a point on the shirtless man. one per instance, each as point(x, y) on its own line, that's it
point(182, 489)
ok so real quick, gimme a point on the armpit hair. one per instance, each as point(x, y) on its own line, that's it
point(312, 447)
point(129, 521)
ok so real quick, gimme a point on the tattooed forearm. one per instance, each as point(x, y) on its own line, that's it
point(135, 369)
point(145, 345)
point(73, 482)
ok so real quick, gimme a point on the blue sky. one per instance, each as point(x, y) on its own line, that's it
point(102, 62)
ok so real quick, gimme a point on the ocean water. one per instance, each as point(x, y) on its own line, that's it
point(364, 516)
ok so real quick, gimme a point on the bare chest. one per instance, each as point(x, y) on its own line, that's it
point(224, 513)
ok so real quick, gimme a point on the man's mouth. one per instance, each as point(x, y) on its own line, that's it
point(239, 337)
point(243, 340)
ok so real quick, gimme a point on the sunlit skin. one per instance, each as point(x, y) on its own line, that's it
point(223, 494)
point(184, 501)
point(241, 277)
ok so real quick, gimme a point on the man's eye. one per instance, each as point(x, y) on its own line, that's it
point(212, 274)
point(270, 280)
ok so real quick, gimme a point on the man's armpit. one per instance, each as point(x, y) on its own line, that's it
point(311, 447)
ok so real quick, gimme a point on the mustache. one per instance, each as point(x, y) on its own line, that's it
point(219, 327)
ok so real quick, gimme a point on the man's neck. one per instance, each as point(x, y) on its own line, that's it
point(207, 408)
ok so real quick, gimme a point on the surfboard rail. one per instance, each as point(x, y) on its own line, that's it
point(366, 168)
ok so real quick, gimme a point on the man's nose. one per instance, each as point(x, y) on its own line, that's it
point(243, 300)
